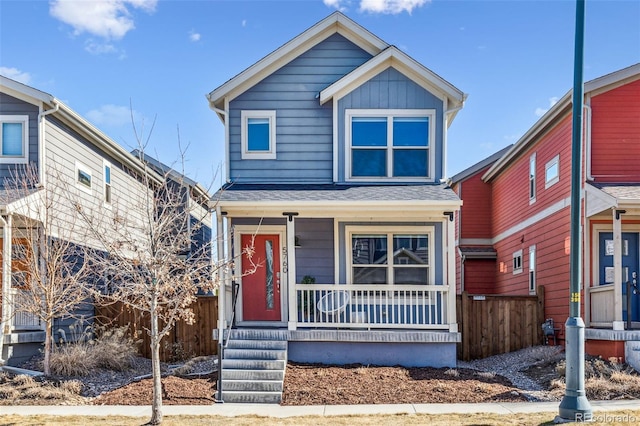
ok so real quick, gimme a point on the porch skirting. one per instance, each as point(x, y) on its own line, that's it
point(621, 344)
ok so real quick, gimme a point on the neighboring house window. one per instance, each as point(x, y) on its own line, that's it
point(552, 172)
point(390, 144)
point(398, 256)
point(107, 183)
point(14, 137)
point(517, 262)
point(532, 178)
point(532, 270)
point(83, 177)
point(258, 135)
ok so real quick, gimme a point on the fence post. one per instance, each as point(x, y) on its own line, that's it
point(541, 317)
point(465, 325)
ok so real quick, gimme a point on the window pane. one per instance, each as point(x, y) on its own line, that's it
point(410, 275)
point(552, 172)
point(258, 134)
point(270, 297)
point(84, 178)
point(369, 162)
point(370, 275)
point(410, 250)
point(369, 131)
point(12, 139)
point(411, 131)
point(369, 249)
point(107, 174)
point(410, 162)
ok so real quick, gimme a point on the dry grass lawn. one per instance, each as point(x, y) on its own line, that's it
point(400, 419)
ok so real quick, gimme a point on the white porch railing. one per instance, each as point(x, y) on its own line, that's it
point(602, 305)
point(371, 306)
point(22, 321)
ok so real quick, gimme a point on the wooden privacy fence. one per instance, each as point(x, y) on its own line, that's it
point(496, 324)
point(184, 340)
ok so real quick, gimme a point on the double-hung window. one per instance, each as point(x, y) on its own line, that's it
point(398, 256)
point(390, 144)
point(14, 137)
point(258, 135)
point(107, 183)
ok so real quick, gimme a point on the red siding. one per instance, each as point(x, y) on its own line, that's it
point(479, 276)
point(511, 188)
point(615, 134)
point(476, 210)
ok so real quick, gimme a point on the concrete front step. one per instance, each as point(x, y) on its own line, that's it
point(230, 374)
point(261, 354)
point(257, 344)
point(252, 397)
point(253, 385)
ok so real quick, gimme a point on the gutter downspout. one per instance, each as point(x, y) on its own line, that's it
point(445, 120)
point(225, 113)
point(587, 136)
point(41, 140)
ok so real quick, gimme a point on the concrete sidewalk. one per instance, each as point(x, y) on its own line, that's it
point(275, 410)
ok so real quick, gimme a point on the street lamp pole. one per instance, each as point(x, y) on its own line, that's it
point(574, 405)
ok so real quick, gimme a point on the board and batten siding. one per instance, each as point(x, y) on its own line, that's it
point(13, 106)
point(390, 90)
point(615, 134)
point(304, 135)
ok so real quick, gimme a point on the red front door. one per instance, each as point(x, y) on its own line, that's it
point(261, 289)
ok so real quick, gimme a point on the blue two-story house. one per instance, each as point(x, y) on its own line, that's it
point(334, 212)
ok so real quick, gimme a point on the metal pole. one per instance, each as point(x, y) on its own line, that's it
point(574, 405)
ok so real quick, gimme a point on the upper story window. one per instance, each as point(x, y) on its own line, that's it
point(14, 137)
point(390, 144)
point(532, 178)
point(107, 183)
point(258, 135)
point(83, 177)
point(552, 171)
point(390, 256)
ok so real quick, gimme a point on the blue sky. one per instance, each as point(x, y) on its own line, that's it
point(158, 59)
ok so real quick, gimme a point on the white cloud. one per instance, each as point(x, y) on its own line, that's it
point(194, 36)
point(97, 48)
point(338, 4)
point(111, 115)
point(110, 19)
point(244, 23)
point(16, 74)
point(390, 6)
point(542, 111)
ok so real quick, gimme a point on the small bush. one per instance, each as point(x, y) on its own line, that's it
point(73, 359)
point(487, 374)
point(114, 348)
point(452, 372)
point(71, 386)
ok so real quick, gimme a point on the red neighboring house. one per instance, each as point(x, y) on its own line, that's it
point(514, 226)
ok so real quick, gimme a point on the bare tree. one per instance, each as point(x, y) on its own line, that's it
point(153, 258)
point(49, 274)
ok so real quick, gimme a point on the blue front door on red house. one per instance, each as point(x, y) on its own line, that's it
point(630, 268)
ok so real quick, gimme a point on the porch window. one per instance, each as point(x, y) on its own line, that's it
point(258, 135)
point(14, 136)
point(391, 258)
point(389, 143)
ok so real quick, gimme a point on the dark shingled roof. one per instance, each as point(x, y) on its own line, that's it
point(478, 252)
point(334, 192)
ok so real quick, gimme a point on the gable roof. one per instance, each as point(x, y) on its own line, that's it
point(563, 106)
point(334, 23)
point(64, 113)
point(394, 57)
point(470, 171)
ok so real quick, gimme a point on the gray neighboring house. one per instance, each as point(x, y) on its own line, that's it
point(336, 146)
point(40, 130)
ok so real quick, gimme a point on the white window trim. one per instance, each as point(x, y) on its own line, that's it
point(532, 270)
point(87, 170)
point(550, 182)
point(24, 120)
point(389, 231)
point(390, 113)
point(245, 115)
point(106, 164)
point(532, 179)
point(519, 269)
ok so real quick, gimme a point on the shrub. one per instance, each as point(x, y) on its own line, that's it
point(114, 349)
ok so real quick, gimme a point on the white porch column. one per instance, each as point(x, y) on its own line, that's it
point(220, 259)
point(450, 274)
point(291, 272)
point(618, 324)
